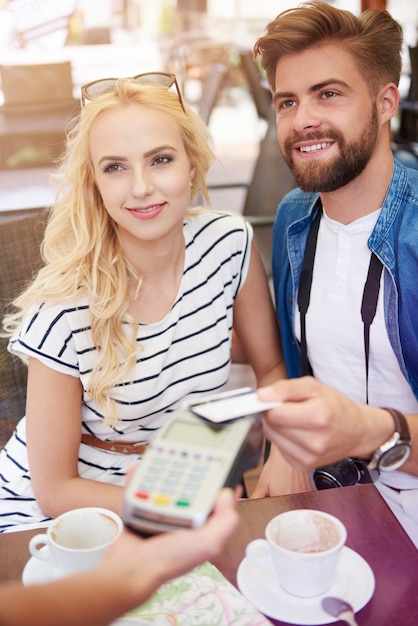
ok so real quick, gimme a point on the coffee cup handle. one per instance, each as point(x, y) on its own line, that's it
point(258, 551)
point(39, 547)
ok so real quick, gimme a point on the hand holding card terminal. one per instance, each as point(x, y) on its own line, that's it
point(189, 461)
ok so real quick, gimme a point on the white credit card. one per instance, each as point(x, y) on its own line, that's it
point(230, 405)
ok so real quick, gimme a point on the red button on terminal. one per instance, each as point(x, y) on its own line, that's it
point(142, 495)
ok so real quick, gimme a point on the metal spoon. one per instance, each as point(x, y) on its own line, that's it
point(339, 608)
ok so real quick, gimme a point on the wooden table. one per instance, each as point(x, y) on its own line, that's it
point(373, 532)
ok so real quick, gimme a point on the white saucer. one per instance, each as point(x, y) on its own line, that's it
point(37, 571)
point(354, 582)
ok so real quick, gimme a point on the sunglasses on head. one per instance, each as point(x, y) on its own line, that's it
point(107, 85)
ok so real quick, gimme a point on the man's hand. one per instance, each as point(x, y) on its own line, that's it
point(316, 425)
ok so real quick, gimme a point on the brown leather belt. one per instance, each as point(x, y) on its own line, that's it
point(123, 447)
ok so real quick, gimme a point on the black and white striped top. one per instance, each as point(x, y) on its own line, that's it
point(187, 352)
point(184, 355)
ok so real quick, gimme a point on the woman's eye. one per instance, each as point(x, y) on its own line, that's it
point(162, 160)
point(113, 167)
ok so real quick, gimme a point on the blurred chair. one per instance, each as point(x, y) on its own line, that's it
point(43, 24)
point(256, 83)
point(38, 106)
point(20, 241)
point(192, 56)
point(270, 181)
point(211, 89)
point(36, 88)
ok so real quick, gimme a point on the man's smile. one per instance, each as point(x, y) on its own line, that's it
point(315, 147)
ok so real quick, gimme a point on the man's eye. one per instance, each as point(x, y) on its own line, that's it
point(328, 94)
point(285, 104)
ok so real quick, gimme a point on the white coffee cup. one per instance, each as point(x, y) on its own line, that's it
point(76, 540)
point(304, 546)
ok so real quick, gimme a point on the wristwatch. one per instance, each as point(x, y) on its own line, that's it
point(392, 454)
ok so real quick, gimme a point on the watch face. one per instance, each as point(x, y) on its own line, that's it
point(395, 457)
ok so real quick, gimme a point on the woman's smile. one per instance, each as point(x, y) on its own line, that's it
point(148, 212)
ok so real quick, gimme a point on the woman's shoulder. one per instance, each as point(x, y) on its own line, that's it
point(56, 334)
point(216, 222)
point(46, 313)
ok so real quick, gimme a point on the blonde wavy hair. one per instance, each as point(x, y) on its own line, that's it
point(81, 248)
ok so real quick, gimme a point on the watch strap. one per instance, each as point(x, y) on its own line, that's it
point(401, 425)
point(403, 439)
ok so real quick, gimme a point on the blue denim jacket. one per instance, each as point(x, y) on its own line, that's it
point(394, 240)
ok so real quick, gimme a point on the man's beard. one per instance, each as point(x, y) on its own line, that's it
point(333, 174)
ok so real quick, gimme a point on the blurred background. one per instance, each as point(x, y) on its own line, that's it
point(49, 48)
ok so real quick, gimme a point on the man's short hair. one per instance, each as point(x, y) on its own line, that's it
point(374, 39)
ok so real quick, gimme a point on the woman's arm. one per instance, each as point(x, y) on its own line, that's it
point(278, 477)
point(53, 422)
point(255, 324)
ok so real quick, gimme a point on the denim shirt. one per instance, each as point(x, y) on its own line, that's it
point(394, 240)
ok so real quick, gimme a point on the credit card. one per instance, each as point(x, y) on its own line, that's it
point(230, 405)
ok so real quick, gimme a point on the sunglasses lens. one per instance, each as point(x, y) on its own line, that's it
point(98, 88)
point(166, 80)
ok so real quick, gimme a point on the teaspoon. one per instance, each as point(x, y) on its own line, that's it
point(339, 608)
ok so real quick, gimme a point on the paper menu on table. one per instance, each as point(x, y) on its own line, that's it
point(204, 597)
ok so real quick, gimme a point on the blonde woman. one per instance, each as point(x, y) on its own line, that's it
point(132, 314)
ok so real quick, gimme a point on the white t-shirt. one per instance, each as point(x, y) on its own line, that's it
point(334, 328)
